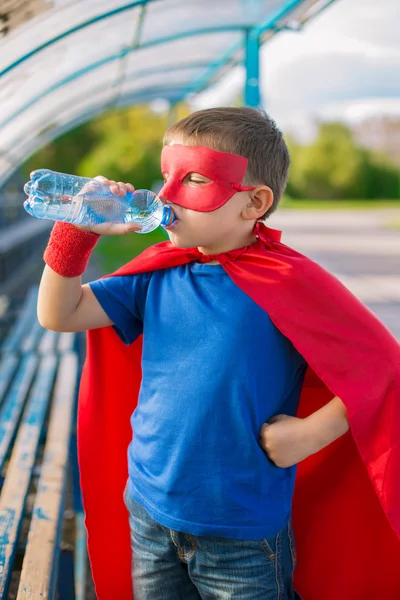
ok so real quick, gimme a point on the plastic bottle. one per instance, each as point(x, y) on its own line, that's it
point(85, 201)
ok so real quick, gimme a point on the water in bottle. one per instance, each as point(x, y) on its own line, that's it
point(85, 201)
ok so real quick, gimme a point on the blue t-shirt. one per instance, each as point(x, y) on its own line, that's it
point(215, 368)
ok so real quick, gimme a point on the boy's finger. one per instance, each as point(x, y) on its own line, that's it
point(122, 228)
point(102, 179)
point(121, 188)
point(132, 227)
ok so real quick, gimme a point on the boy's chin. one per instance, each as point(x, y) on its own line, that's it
point(179, 241)
point(180, 244)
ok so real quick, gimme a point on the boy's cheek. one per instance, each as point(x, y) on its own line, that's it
point(180, 241)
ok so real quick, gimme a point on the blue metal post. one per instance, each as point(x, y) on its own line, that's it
point(252, 89)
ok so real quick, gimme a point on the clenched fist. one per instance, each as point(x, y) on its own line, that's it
point(287, 440)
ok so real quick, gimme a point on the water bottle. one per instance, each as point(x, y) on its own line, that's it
point(85, 201)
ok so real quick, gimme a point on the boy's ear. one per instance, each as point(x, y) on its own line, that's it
point(261, 199)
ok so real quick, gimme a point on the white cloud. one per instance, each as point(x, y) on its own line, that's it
point(348, 55)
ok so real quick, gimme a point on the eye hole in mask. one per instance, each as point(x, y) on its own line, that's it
point(196, 179)
point(192, 178)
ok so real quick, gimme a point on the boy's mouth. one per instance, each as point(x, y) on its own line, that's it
point(172, 226)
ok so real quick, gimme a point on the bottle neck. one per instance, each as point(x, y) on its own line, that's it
point(168, 216)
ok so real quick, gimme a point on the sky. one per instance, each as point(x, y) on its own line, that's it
point(344, 64)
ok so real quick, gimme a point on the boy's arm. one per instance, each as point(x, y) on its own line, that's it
point(64, 304)
point(289, 440)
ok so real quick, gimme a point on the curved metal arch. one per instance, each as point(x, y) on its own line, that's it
point(112, 58)
point(269, 23)
point(143, 95)
point(56, 39)
point(78, 74)
point(161, 40)
point(86, 116)
point(200, 83)
point(272, 22)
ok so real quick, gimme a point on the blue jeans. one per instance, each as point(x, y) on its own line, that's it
point(171, 565)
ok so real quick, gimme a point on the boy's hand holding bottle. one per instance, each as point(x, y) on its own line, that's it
point(119, 189)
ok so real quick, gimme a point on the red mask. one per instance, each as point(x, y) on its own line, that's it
point(225, 170)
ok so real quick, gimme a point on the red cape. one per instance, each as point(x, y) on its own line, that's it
point(346, 508)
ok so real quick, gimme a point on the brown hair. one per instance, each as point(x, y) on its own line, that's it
point(240, 130)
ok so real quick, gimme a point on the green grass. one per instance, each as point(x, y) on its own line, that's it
point(114, 251)
point(306, 204)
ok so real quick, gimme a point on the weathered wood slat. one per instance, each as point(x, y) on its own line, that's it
point(32, 338)
point(39, 570)
point(13, 404)
point(48, 343)
point(66, 342)
point(23, 324)
point(8, 367)
point(16, 485)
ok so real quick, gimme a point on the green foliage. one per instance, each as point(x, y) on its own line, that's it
point(115, 251)
point(333, 166)
point(66, 153)
point(129, 147)
point(382, 179)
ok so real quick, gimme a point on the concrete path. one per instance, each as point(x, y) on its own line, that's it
point(357, 247)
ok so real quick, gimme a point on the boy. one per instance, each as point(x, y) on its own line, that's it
point(216, 439)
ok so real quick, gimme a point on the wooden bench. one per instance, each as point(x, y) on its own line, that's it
point(42, 536)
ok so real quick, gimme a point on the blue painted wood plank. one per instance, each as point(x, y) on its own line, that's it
point(8, 366)
point(66, 341)
point(40, 566)
point(32, 337)
point(81, 557)
point(19, 472)
point(23, 323)
point(76, 487)
point(48, 343)
point(13, 404)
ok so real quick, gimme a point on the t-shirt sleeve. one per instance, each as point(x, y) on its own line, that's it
point(123, 298)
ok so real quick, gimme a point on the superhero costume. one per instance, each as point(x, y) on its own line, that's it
point(350, 354)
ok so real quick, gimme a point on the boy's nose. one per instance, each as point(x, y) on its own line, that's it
point(165, 201)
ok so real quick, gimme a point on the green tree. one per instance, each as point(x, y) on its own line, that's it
point(65, 153)
point(382, 178)
point(332, 166)
point(129, 147)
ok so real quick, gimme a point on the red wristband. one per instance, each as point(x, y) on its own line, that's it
point(69, 249)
